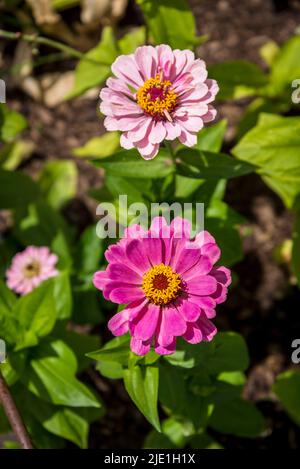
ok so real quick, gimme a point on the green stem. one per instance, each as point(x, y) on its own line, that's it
point(33, 38)
point(170, 149)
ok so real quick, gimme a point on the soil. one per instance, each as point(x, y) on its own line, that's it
point(264, 304)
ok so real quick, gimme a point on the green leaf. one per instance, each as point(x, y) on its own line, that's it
point(64, 422)
point(7, 298)
point(211, 138)
point(230, 353)
point(80, 345)
point(228, 238)
point(208, 165)
point(219, 209)
point(58, 181)
point(36, 313)
point(9, 328)
point(130, 41)
point(174, 435)
point(296, 243)
point(68, 424)
point(117, 185)
point(258, 106)
point(51, 376)
point(86, 304)
point(269, 51)
point(173, 398)
point(99, 147)
point(204, 441)
point(226, 353)
point(117, 350)
point(59, 245)
point(237, 79)
point(12, 154)
point(16, 190)
point(111, 370)
point(273, 145)
point(11, 123)
point(39, 224)
point(155, 440)
point(95, 67)
point(89, 251)
point(170, 22)
point(286, 66)
point(237, 417)
point(287, 388)
point(62, 295)
point(130, 164)
point(141, 384)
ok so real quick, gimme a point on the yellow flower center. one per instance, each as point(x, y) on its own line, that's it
point(32, 269)
point(161, 285)
point(157, 98)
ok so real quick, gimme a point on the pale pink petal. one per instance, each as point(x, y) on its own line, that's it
point(125, 68)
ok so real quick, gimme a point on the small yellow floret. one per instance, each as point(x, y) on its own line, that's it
point(161, 105)
point(161, 285)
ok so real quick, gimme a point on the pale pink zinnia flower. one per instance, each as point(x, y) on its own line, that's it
point(158, 94)
point(168, 283)
point(30, 268)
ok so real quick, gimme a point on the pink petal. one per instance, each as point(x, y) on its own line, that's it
point(122, 273)
point(205, 302)
point(172, 324)
point(205, 285)
point(100, 279)
point(157, 133)
point(115, 253)
point(189, 311)
point(202, 267)
point(125, 68)
point(125, 142)
point(167, 349)
point(153, 248)
point(137, 256)
point(139, 347)
point(126, 294)
point(207, 328)
point(146, 322)
point(187, 138)
point(118, 324)
point(222, 275)
point(193, 334)
point(146, 60)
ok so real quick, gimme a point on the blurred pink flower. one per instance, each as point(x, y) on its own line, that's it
point(168, 282)
point(158, 94)
point(30, 268)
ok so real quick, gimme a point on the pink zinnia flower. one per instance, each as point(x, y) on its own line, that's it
point(30, 268)
point(158, 94)
point(168, 282)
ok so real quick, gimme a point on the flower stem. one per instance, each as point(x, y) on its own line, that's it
point(13, 415)
point(170, 149)
point(34, 38)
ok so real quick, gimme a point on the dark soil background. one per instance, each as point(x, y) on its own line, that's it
point(264, 304)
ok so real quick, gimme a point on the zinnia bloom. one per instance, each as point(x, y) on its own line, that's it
point(168, 283)
point(158, 94)
point(30, 268)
